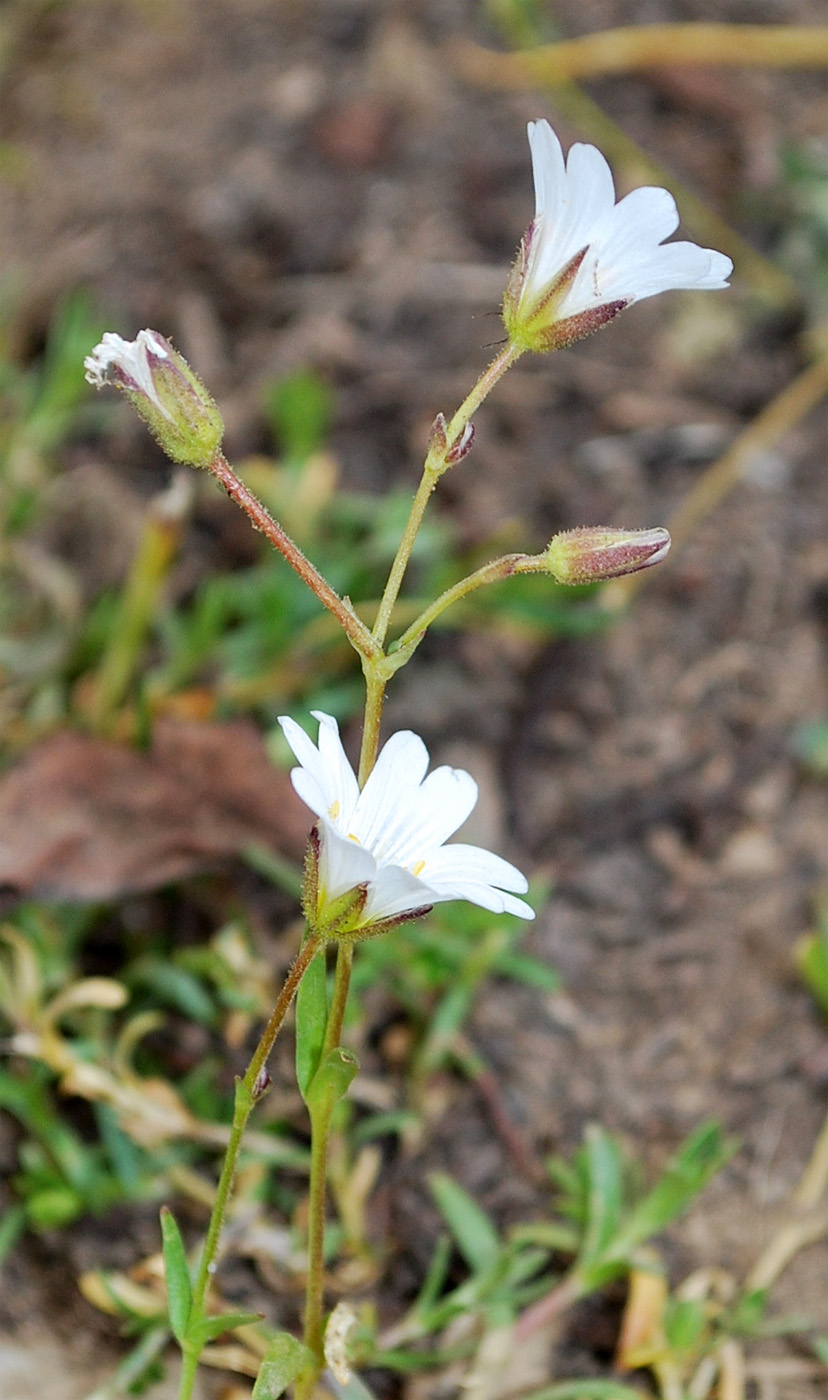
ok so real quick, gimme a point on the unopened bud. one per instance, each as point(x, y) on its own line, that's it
point(592, 553)
point(261, 1084)
point(462, 447)
point(162, 388)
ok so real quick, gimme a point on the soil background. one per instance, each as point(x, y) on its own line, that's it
point(282, 184)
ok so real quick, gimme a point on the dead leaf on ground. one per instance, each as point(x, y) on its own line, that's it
point(85, 819)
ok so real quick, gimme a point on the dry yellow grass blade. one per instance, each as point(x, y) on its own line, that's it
point(652, 46)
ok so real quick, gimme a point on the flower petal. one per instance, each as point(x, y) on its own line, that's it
point(325, 781)
point(472, 863)
point(395, 891)
point(383, 812)
point(436, 810)
point(343, 864)
point(548, 170)
point(469, 872)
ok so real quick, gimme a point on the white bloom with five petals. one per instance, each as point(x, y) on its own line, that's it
point(391, 836)
point(585, 257)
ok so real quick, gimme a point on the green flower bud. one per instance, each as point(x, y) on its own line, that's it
point(162, 388)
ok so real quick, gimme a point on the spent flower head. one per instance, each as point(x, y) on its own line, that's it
point(388, 840)
point(585, 258)
point(162, 388)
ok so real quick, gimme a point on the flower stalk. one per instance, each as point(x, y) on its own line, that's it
point(249, 1089)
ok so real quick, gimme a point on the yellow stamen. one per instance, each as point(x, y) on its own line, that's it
point(418, 867)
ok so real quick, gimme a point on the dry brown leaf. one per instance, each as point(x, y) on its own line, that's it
point(85, 819)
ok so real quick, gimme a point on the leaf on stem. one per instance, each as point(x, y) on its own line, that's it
point(211, 1327)
point(177, 1275)
point(331, 1081)
point(311, 1020)
point(281, 1364)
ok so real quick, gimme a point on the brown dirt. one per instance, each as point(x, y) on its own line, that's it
point(275, 185)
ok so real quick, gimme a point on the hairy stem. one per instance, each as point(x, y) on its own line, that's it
point(356, 631)
point(493, 572)
point(248, 1090)
point(437, 462)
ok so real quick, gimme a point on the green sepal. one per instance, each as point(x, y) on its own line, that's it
point(176, 1274)
point(331, 1081)
point(211, 1327)
point(281, 1364)
point(311, 1020)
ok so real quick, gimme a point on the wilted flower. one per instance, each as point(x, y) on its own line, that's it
point(162, 388)
point(584, 258)
point(593, 552)
point(388, 840)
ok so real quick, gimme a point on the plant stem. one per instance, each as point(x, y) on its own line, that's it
point(493, 572)
point(436, 463)
point(339, 998)
point(377, 669)
point(248, 1092)
point(356, 631)
point(375, 683)
point(320, 1134)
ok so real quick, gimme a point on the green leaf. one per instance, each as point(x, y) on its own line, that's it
point(281, 1364)
point(684, 1324)
point(299, 408)
point(605, 1185)
point(177, 1275)
point(812, 960)
point(12, 1226)
point(311, 1020)
point(211, 1327)
point(476, 1236)
point(331, 1081)
point(697, 1160)
point(531, 971)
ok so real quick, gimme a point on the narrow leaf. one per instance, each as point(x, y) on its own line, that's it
point(476, 1236)
point(177, 1275)
point(604, 1194)
point(281, 1364)
point(211, 1327)
point(698, 1159)
point(311, 1019)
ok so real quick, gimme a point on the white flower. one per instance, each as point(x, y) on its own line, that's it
point(585, 258)
point(116, 360)
point(391, 835)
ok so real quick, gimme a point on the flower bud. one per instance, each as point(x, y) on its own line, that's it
point(595, 552)
point(162, 388)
